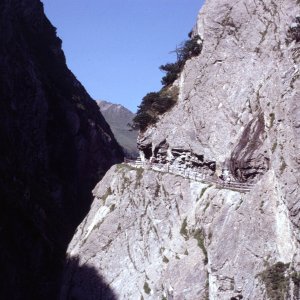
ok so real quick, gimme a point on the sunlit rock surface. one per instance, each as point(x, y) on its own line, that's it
point(159, 236)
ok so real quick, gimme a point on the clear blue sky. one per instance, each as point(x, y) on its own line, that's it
point(115, 47)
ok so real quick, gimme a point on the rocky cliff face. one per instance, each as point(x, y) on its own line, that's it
point(119, 117)
point(167, 237)
point(55, 145)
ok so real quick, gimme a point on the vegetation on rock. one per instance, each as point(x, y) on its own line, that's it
point(293, 33)
point(147, 288)
point(183, 230)
point(199, 236)
point(157, 103)
point(154, 104)
point(189, 49)
point(275, 280)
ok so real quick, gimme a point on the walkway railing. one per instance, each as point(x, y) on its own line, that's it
point(191, 174)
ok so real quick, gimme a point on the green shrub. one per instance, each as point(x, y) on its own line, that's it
point(293, 33)
point(274, 147)
point(147, 288)
point(142, 120)
point(189, 49)
point(148, 101)
point(157, 103)
point(172, 71)
point(163, 104)
point(283, 164)
point(199, 236)
point(165, 259)
point(272, 119)
point(275, 281)
point(154, 104)
point(183, 230)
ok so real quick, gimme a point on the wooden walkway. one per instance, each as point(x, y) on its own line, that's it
point(193, 175)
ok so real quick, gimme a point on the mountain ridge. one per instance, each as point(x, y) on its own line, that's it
point(119, 118)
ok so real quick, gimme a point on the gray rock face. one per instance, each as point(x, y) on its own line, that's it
point(141, 236)
point(118, 117)
point(55, 146)
point(239, 100)
point(159, 236)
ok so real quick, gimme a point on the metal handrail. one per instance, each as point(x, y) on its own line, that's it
point(186, 173)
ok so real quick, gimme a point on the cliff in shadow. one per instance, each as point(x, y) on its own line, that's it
point(55, 145)
point(89, 283)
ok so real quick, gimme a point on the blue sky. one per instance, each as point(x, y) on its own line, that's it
point(115, 47)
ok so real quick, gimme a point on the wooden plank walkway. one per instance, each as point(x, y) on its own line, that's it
point(193, 175)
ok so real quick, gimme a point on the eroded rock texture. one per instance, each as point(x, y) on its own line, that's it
point(55, 146)
point(160, 236)
point(165, 237)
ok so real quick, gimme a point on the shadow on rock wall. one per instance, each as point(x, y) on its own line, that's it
point(83, 282)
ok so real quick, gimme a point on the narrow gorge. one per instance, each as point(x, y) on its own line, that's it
point(211, 208)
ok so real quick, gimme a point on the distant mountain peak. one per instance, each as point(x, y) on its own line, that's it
point(118, 117)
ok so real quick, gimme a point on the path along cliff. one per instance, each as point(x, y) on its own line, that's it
point(154, 235)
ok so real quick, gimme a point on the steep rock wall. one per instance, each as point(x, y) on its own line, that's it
point(154, 235)
point(165, 237)
point(245, 73)
point(55, 146)
point(239, 100)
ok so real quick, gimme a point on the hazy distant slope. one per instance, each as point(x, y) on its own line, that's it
point(118, 117)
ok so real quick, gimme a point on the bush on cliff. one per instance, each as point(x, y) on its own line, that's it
point(157, 103)
point(172, 71)
point(189, 49)
point(154, 104)
point(293, 33)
